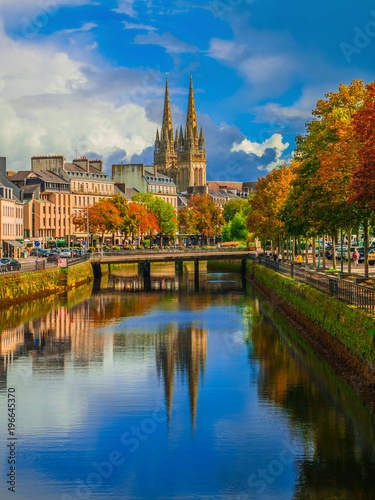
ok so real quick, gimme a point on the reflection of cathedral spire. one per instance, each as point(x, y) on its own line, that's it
point(187, 353)
point(166, 349)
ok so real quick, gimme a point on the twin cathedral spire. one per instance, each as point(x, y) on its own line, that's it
point(181, 156)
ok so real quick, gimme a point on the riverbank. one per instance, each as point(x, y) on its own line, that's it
point(17, 288)
point(342, 334)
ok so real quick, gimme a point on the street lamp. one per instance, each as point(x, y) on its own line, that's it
point(342, 253)
point(88, 225)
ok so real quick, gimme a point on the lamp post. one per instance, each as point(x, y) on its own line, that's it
point(88, 225)
point(342, 253)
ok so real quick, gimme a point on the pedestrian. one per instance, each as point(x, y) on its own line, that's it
point(256, 254)
point(268, 253)
point(299, 260)
point(275, 256)
point(356, 257)
point(280, 257)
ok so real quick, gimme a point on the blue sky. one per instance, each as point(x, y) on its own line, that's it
point(88, 76)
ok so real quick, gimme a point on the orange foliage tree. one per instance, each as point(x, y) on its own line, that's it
point(201, 216)
point(103, 218)
point(264, 220)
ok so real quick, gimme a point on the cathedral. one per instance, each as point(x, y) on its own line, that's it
point(181, 156)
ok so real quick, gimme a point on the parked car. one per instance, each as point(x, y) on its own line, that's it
point(3, 266)
point(53, 257)
point(11, 264)
point(338, 251)
point(66, 253)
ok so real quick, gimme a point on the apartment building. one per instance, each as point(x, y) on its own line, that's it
point(11, 216)
point(54, 191)
point(47, 206)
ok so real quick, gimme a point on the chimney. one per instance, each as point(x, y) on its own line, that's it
point(98, 164)
point(82, 162)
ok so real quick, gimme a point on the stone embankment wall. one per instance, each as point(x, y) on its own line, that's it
point(343, 334)
point(23, 286)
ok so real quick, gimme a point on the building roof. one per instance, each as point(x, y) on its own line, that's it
point(182, 201)
point(30, 188)
point(160, 179)
point(72, 167)
point(128, 194)
point(20, 176)
point(47, 176)
point(225, 185)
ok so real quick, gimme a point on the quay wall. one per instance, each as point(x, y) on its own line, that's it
point(352, 326)
point(343, 334)
point(19, 287)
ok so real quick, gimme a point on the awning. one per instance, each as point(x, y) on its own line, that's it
point(13, 243)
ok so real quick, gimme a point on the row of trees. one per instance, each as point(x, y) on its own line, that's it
point(330, 183)
point(147, 215)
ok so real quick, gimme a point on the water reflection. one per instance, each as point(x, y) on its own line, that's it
point(182, 350)
point(236, 384)
point(338, 459)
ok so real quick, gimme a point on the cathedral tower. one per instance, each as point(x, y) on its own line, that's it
point(184, 158)
point(165, 157)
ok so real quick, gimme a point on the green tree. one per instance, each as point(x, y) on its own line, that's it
point(234, 206)
point(163, 211)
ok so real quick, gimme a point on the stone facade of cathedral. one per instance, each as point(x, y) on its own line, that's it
point(181, 156)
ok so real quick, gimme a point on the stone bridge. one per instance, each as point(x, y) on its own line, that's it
point(144, 259)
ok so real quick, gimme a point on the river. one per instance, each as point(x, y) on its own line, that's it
point(175, 394)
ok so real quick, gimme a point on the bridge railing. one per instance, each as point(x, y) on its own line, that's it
point(158, 251)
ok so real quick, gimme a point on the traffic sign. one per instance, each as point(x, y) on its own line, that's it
point(37, 243)
point(83, 243)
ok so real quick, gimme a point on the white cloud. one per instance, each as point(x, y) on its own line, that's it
point(54, 104)
point(169, 42)
point(295, 116)
point(275, 143)
point(126, 7)
point(84, 28)
point(260, 70)
point(225, 50)
point(133, 26)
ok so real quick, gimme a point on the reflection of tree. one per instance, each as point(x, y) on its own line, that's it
point(185, 351)
point(337, 431)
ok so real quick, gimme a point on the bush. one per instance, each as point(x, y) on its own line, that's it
point(146, 243)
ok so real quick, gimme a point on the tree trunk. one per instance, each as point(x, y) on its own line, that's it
point(306, 251)
point(294, 249)
point(365, 244)
point(313, 252)
point(334, 250)
point(324, 251)
point(349, 252)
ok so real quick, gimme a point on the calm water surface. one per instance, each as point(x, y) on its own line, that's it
point(176, 394)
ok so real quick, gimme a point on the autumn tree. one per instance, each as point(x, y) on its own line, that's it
point(201, 216)
point(163, 211)
point(139, 221)
point(103, 217)
point(264, 220)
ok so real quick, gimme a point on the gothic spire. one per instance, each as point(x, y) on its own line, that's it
point(191, 119)
point(201, 136)
point(167, 115)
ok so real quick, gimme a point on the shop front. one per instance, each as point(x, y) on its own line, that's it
point(12, 248)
